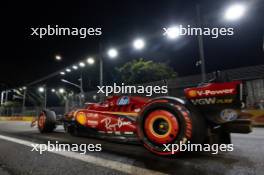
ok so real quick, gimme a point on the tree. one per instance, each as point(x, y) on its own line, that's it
point(142, 71)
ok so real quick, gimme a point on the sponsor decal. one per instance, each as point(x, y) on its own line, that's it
point(194, 93)
point(123, 101)
point(208, 101)
point(113, 126)
point(128, 133)
point(228, 115)
point(92, 115)
point(92, 122)
point(118, 133)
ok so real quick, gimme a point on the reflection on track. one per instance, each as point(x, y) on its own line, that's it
point(247, 158)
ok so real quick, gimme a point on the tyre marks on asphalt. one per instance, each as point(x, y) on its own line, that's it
point(119, 166)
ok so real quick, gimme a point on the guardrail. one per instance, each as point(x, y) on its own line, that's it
point(17, 118)
point(28, 111)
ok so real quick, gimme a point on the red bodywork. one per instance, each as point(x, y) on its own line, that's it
point(209, 108)
point(113, 115)
point(117, 115)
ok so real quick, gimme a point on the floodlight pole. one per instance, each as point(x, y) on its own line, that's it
point(81, 89)
point(101, 73)
point(2, 97)
point(263, 44)
point(200, 44)
point(24, 100)
point(6, 97)
point(45, 97)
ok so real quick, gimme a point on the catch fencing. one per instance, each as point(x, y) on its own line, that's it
point(252, 77)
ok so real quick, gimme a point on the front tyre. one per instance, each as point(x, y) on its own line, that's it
point(169, 121)
point(46, 121)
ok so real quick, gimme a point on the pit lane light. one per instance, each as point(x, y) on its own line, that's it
point(90, 60)
point(75, 67)
point(68, 70)
point(58, 57)
point(82, 64)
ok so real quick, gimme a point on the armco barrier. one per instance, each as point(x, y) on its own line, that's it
point(16, 118)
point(256, 115)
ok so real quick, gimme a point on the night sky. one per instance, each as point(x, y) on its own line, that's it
point(25, 58)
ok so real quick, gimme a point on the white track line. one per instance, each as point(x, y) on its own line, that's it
point(123, 167)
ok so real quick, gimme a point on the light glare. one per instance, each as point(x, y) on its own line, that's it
point(41, 89)
point(81, 64)
point(235, 12)
point(58, 57)
point(139, 44)
point(112, 53)
point(90, 60)
point(61, 90)
point(173, 32)
point(75, 67)
point(68, 70)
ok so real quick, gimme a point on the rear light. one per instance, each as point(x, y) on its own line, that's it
point(81, 118)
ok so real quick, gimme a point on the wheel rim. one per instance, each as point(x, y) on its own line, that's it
point(161, 126)
point(41, 120)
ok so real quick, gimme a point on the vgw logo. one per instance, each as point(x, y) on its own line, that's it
point(208, 101)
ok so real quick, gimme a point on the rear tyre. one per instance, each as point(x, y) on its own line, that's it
point(47, 121)
point(170, 122)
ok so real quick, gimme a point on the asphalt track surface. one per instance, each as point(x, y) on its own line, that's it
point(16, 157)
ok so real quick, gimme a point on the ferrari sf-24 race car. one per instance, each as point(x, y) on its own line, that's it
point(207, 114)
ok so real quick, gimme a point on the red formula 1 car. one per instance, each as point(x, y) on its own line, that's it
point(207, 114)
